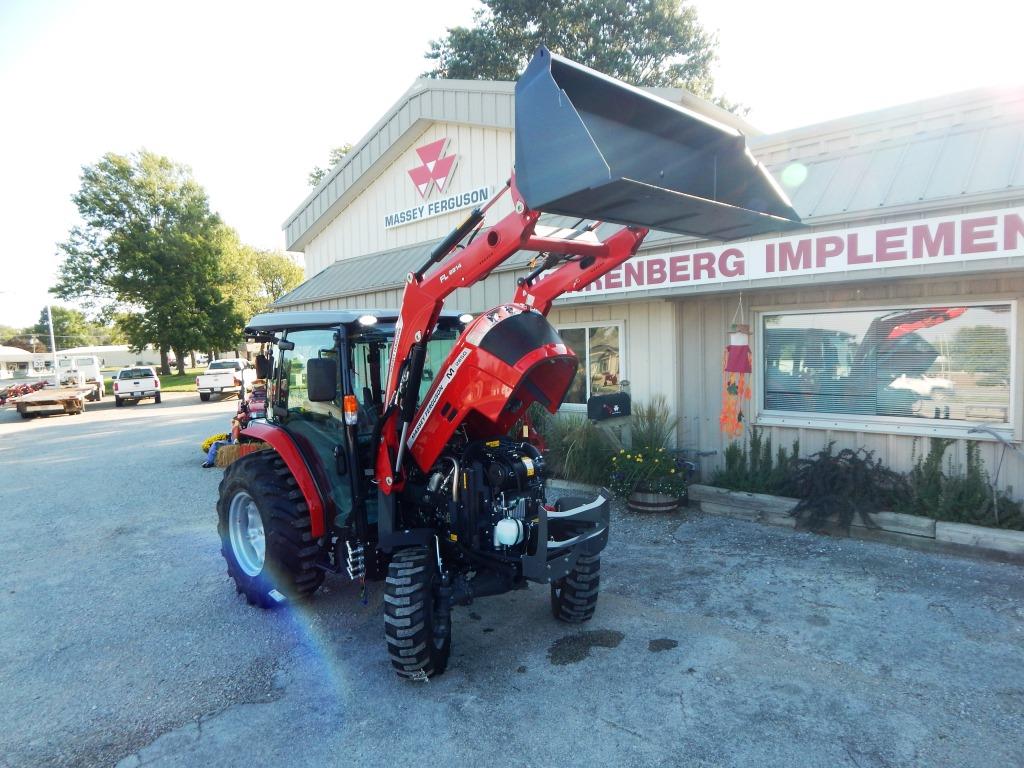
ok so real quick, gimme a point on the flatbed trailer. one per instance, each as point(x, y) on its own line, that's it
point(69, 400)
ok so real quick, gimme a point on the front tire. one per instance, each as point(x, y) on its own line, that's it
point(419, 636)
point(265, 534)
point(574, 598)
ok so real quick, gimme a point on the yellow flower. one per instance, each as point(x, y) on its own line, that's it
point(661, 450)
point(628, 456)
point(622, 450)
point(671, 471)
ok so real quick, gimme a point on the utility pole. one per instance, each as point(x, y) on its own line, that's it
point(53, 347)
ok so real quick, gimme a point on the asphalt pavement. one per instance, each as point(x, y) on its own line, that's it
point(716, 642)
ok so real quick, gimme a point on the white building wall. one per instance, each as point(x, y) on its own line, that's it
point(485, 158)
point(650, 354)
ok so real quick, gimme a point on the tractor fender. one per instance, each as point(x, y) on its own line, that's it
point(285, 446)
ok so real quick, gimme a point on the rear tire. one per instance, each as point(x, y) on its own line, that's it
point(419, 637)
point(156, 399)
point(118, 402)
point(265, 532)
point(574, 598)
point(204, 396)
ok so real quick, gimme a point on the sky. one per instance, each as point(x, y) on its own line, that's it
point(251, 95)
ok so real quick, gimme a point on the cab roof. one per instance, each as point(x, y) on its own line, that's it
point(271, 322)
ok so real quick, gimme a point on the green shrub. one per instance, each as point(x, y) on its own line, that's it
point(750, 466)
point(653, 426)
point(842, 486)
point(958, 496)
point(577, 450)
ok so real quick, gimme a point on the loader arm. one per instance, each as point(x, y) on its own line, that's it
point(424, 297)
point(540, 291)
point(422, 302)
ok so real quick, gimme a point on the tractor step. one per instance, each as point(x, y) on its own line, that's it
point(355, 561)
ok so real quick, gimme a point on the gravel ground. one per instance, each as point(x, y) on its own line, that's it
point(716, 642)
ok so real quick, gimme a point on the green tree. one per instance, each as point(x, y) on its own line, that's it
point(334, 157)
point(254, 279)
point(8, 332)
point(643, 42)
point(70, 328)
point(149, 249)
point(277, 274)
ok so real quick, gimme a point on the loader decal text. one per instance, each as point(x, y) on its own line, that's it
point(446, 379)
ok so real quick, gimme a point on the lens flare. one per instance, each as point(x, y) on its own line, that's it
point(793, 175)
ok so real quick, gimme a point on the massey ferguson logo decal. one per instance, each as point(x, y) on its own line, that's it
point(436, 169)
point(445, 380)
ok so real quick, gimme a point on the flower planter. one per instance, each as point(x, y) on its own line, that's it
point(642, 501)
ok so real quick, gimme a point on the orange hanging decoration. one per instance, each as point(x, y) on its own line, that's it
point(736, 364)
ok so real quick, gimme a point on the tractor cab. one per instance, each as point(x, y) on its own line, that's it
point(326, 373)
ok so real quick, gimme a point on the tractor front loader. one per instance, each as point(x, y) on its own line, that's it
point(357, 473)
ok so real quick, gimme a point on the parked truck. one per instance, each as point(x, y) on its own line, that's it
point(135, 383)
point(49, 401)
point(79, 370)
point(360, 475)
point(229, 376)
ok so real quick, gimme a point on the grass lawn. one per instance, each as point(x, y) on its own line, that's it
point(176, 383)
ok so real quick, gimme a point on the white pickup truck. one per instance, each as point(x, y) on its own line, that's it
point(134, 383)
point(231, 376)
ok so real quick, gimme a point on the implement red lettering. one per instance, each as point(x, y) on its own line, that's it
point(825, 248)
point(1013, 228)
point(924, 243)
point(798, 259)
point(973, 231)
point(889, 244)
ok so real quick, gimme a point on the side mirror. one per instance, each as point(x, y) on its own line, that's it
point(264, 366)
point(321, 379)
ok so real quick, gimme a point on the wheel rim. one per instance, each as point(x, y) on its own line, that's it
point(248, 542)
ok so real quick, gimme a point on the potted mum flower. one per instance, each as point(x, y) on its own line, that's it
point(649, 482)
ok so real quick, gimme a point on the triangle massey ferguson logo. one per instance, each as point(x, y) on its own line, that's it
point(437, 167)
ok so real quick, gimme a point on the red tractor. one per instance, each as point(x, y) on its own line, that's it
point(361, 475)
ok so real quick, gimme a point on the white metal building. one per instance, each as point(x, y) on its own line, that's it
point(894, 316)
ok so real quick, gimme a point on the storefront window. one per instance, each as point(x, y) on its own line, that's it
point(943, 362)
point(599, 350)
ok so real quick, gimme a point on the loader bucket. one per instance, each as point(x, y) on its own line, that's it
point(591, 147)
